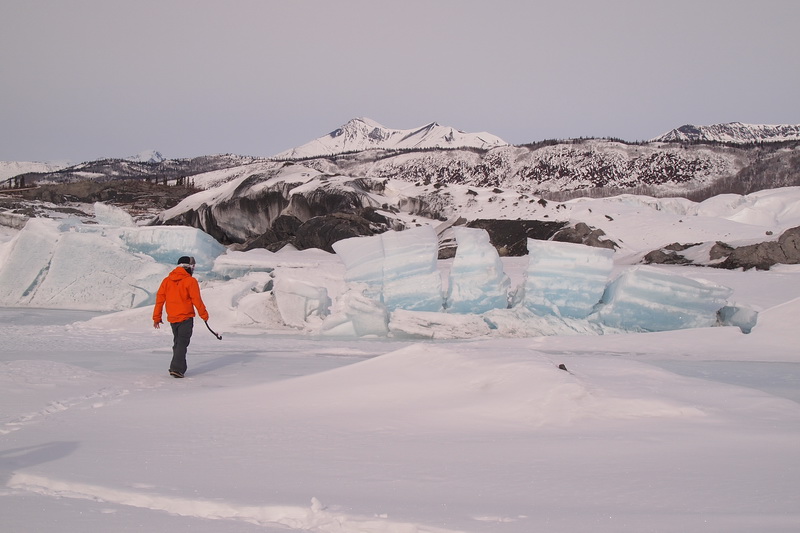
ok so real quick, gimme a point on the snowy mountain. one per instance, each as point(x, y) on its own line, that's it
point(147, 156)
point(555, 169)
point(364, 134)
point(9, 169)
point(733, 132)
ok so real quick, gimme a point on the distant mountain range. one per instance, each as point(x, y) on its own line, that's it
point(741, 158)
point(733, 132)
point(361, 134)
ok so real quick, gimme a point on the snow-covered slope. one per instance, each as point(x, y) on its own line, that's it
point(9, 169)
point(636, 223)
point(733, 132)
point(365, 134)
point(553, 167)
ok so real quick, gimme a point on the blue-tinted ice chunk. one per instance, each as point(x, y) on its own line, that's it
point(648, 299)
point(565, 279)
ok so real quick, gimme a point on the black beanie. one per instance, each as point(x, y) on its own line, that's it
point(186, 260)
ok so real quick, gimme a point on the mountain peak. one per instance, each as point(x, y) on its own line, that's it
point(147, 156)
point(360, 134)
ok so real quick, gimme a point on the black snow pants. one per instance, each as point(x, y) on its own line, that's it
point(182, 334)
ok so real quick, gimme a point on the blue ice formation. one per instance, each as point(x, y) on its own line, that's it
point(477, 280)
point(565, 279)
point(61, 265)
point(647, 299)
point(70, 265)
point(166, 244)
point(398, 268)
point(393, 284)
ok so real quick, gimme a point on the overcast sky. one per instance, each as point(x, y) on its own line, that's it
point(87, 79)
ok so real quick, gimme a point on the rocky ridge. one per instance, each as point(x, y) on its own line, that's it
point(733, 132)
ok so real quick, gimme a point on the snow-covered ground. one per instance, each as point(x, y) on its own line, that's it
point(688, 430)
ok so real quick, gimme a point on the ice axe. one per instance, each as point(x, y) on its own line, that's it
point(217, 335)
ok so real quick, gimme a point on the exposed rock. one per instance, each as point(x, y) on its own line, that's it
point(321, 232)
point(510, 237)
point(372, 215)
point(668, 255)
point(761, 256)
point(317, 232)
point(720, 250)
point(582, 233)
point(679, 247)
point(664, 257)
point(130, 194)
point(253, 209)
point(265, 240)
point(285, 227)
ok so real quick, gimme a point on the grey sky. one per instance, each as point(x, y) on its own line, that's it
point(86, 79)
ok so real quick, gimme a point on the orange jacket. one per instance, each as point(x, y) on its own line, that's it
point(181, 292)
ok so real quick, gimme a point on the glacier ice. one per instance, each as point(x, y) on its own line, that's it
point(299, 300)
point(166, 244)
point(235, 264)
point(383, 285)
point(565, 279)
point(48, 264)
point(385, 273)
point(742, 317)
point(647, 299)
point(109, 215)
point(66, 264)
point(398, 267)
point(395, 289)
point(521, 322)
point(354, 314)
point(477, 280)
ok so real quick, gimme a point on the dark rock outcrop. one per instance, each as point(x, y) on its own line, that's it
point(255, 208)
point(582, 233)
point(720, 250)
point(761, 256)
point(318, 232)
point(510, 237)
point(668, 255)
point(285, 227)
point(665, 257)
point(323, 231)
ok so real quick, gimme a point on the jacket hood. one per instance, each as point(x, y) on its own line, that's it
point(178, 274)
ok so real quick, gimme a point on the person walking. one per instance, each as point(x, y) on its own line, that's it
point(180, 292)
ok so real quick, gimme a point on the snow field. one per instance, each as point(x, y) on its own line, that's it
point(277, 431)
